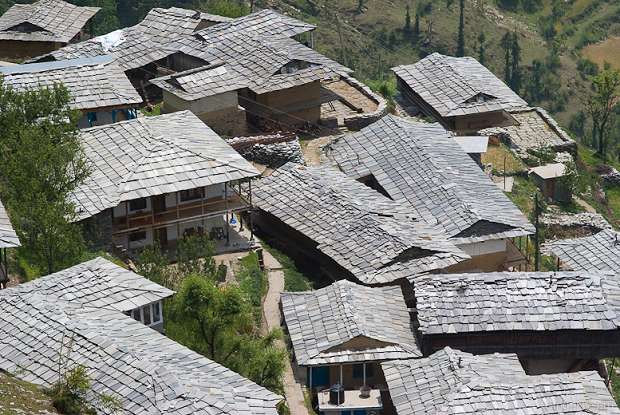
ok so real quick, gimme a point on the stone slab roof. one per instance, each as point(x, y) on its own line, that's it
point(157, 36)
point(44, 21)
point(549, 171)
point(534, 129)
point(423, 165)
point(599, 252)
point(473, 144)
point(466, 303)
point(151, 156)
point(92, 83)
point(144, 370)
point(458, 86)
point(139, 45)
point(8, 237)
point(453, 382)
point(98, 283)
point(364, 232)
point(322, 324)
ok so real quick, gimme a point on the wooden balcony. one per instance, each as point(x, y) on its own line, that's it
point(353, 400)
point(180, 213)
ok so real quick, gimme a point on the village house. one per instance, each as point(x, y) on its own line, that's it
point(28, 30)
point(339, 228)
point(598, 252)
point(460, 93)
point(46, 333)
point(340, 335)
point(551, 180)
point(98, 88)
point(554, 321)
point(100, 283)
point(8, 240)
point(451, 381)
point(421, 164)
point(160, 179)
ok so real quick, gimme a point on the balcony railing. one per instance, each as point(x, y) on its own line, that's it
point(198, 209)
point(353, 399)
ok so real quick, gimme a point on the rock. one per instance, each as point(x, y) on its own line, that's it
point(275, 155)
point(585, 223)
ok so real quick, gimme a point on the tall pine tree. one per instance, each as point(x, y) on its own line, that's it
point(460, 45)
point(515, 71)
point(407, 28)
point(506, 43)
point(416, 26)
point(482, 48)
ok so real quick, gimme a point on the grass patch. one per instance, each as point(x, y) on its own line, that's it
point(613, 200)
point(253, 282)
point(606, 51)
point(496, 155)
point(151, 110)
point(294, 280)
point(523, 195)
point(17, 397)
point(614, 379)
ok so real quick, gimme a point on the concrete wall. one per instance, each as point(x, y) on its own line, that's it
point(19, 50)
point(486, 256)
point(220, 112)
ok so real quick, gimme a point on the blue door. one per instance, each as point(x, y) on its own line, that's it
point(359, 412)
point(345, 412)
point(320, 376)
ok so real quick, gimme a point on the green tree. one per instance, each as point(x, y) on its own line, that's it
point(416, 26)
point(482, 48)
point(460, 44)
point(407, 28)
point(600, 106)
point(506, 44)
point(515, 61)
point(41, 164)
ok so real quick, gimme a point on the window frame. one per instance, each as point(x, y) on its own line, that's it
point(183, 194)
point(142, 199)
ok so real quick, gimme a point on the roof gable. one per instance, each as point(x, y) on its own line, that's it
point(423, 165)
point(346, 322)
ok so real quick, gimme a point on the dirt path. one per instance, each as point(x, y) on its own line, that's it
point(271, 309)
point(585, 205)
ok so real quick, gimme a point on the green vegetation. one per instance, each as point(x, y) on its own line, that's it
point(294, 281)
point(523, 195)
point(614, 378)
point(18, 397)
point(220, 321)
point(41, 163)
point(496, 155)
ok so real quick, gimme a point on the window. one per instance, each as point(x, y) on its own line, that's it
point(137, 314)
point(137, 204)
point(191, 194)
point(146, 313)
point(156, 312)
point(137, 236)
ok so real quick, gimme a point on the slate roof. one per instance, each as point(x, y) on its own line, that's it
point(144, 370)
point(139, 45)
point(549, 171)
point(44, 21)
point(458, 86)
point(453, 382)
point(599, 252)
point(321, 323)
point(8, 237)
point(535, 128)
point(464, 303)
point(93, 83)
point(98, 283)
point(423, 165)
point(152, 156)
point(157, 36)
point(364, 232)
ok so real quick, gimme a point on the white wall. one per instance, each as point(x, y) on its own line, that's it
point(484, 248)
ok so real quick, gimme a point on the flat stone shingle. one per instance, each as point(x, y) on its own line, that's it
point(423, 165)
point(98, 283)
point(366, 233)
point(55, 21)
point(454, 382)
point(8, 237)
point(151, 156)
point(514, 301)
point(144, 370)
point(321, 322)
point(600, 252)
point(92, 82)
point(458, 86)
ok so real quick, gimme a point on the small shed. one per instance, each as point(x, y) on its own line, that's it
point(548, 178)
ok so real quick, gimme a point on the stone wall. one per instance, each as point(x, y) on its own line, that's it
point(359, 121)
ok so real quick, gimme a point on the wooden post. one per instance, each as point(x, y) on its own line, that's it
point(251, 209)
point(364, 366)
point(227, 213)
point(310, 385)
point(127, 214)
point(536, 235)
